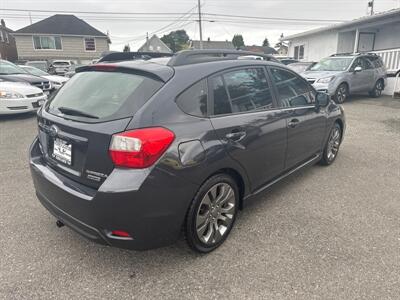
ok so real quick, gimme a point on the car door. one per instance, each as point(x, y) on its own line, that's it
point(360, 81)
point(305, 124)
point(242, 114)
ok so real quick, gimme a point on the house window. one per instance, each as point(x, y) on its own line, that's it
point(299, 52)
point(47, 43)
point(90, 44)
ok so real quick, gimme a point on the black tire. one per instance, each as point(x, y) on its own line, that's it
point(198, 211)
point(342, 93)
point(378, 88)
point(329, 155)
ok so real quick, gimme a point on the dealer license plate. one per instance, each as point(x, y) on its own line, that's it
point(62, 151)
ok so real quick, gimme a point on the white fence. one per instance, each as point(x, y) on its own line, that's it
point(391, 58)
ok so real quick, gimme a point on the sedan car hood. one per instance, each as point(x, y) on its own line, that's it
point(319, 74)
point(24, 89)
point(22, 78)
point(55, 78)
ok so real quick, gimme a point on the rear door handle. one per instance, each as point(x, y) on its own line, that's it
point(293, 123)
point(236, 136)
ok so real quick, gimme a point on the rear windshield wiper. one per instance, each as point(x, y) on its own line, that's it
point(75, 112)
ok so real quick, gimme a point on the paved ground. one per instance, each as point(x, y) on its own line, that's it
point(326, 233)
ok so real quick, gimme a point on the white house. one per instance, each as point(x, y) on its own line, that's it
point(379, 33)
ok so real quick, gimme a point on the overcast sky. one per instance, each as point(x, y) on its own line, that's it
point(132, 29)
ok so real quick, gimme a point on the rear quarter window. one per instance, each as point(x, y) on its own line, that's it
point(193, 101)
point(104, 95)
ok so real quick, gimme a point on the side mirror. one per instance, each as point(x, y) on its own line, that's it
point(358, 69)
point(322, 99)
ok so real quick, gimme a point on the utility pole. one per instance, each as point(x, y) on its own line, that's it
point(30, 17)
point(200, 28)
point(371, 6)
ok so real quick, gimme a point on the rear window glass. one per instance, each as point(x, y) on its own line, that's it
point(103, 95)
point(193, 101)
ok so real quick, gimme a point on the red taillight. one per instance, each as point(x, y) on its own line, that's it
point(140, 148)
point(104, 67)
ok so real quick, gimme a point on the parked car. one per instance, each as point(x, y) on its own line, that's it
point(60, 67)
point(345, 74)
point(133, 153)
point(40, 64)
point(56, 81)
point(19, 97)
point(13, 73)
point(286, 60)
point(71, 71)
point(301, 67)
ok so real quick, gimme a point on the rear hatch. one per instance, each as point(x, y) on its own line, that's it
point(76, 126)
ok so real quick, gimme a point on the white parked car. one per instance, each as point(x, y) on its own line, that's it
point(56, 81)
point(59, 67)
point(17, 97)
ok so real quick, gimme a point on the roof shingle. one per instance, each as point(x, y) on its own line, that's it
point(63, 25)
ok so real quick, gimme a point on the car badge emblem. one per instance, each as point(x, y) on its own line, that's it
point(53, 130)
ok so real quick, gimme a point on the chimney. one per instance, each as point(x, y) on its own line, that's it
point(3, 23)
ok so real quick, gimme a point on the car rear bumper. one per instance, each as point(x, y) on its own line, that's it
point(151, 209)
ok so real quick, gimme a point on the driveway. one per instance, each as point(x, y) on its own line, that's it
point(325, 232)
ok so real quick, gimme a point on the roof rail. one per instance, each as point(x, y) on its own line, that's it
point(121, 56)
point(187, 57)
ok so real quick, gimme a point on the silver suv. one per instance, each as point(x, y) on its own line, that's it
point(343, 74)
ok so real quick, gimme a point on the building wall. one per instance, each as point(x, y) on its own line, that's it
point(388, 36)
point(316, 46)
point(8, 51)
point(155, 45)
point(73, 48)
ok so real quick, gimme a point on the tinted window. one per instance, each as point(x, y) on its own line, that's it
point(293, 91)
point(193, 101)
point(222, 104)
point(104, 95)
point(248, 90)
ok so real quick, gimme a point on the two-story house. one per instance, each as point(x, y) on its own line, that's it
point(8, 50)
point(61, 37)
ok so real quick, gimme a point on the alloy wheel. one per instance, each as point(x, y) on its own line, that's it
point(333, 143)
point(341, 94)
point(215, 213)
point(378, 88)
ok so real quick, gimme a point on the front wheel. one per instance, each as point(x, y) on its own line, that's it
point(212, 213)
point(332, 146)
point(341, 93)
point(378, 88)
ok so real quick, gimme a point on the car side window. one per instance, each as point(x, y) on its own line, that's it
point(358, 63)
point(292, 90)
point(367, 64)
point(193, 100)
point(248, 89)
point(222, 104)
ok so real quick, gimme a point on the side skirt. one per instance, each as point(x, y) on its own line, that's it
point(312, 160)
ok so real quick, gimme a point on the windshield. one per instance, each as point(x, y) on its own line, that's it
point(7, 68)
point(35, 71)
point(61, 63)
point(103, 95)
point(333, 64)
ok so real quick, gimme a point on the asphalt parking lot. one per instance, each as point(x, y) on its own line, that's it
point(324, 233)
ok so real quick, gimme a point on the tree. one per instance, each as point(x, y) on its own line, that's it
point(279, 44)
point(127, 48)
point(238, 41)
point(265, 43)
point(176, 40)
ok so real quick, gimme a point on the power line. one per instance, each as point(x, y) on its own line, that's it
point(173, 14)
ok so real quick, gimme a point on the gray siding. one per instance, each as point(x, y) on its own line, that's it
point(72, 48)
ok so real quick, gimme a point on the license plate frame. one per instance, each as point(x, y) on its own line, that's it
point(62, 151)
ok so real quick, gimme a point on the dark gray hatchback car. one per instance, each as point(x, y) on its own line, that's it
point(133, 153)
